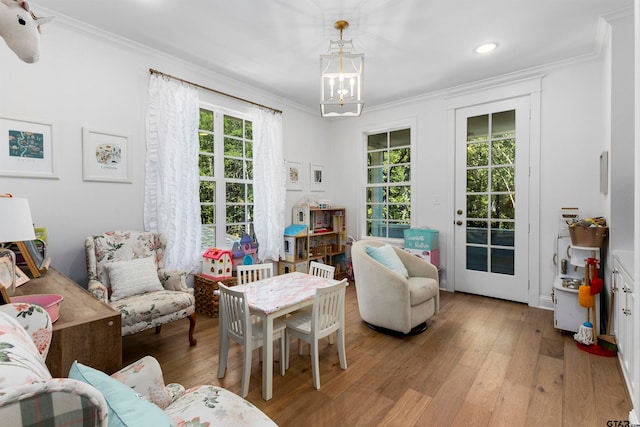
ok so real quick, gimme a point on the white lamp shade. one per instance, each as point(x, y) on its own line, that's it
point(16, 224)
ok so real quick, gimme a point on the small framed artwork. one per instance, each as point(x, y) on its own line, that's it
point(294, 176)
point(6, 272)
point(105, 156)
point(317, 178)
point(26, 148)
point(4, 296)
point(21, 278)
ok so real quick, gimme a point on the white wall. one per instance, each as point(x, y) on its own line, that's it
point(572, 138)
point(85, 79)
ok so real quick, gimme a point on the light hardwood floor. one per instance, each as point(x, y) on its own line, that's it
point(481, 362)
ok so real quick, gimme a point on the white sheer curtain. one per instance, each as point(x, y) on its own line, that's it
point(269, 186)
point(171, 193)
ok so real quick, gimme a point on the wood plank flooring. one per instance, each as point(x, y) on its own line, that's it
point(481, 362)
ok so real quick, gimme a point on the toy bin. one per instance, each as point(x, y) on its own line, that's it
point(424, 239)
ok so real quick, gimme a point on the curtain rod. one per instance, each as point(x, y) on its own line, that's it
point(152, 71)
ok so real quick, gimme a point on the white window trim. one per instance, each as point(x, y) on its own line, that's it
point(219, 179)
point(408, 123)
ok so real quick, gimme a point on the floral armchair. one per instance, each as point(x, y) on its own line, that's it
point(133, 396)
point(126, 270)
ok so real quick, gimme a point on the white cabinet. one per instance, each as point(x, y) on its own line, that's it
point(624, 318)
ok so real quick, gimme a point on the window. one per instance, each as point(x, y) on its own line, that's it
point(388, 188)
point(226, 178)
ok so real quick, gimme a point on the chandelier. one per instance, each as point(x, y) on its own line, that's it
point(341, 82)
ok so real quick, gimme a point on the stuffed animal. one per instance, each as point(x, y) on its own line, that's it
point(20, 29)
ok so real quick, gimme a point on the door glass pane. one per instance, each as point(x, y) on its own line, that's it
point(477, 154)
point(477, 206)
point(503, 152)
point(477, 179)
point(490, 188)
point(376, 158)
point(502, 261)
point(477, 232)
point(503, 124)
point(478, 127)
point(477, 258)
point(503, 179)
point(503, 206)
point(502, 233)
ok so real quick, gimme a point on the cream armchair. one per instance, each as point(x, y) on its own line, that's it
point(126, 271)
point(389, 301)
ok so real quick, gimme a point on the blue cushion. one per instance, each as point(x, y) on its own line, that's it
point(126, 408)
point(388, 257)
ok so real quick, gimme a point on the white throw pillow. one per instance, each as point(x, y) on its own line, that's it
point(133, 277)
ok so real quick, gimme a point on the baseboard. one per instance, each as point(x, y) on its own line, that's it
point(545, 302)
point(633, 418)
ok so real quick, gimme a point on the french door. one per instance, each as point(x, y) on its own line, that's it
point(491, 199)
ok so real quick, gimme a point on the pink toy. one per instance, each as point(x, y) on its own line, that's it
point(20, 29)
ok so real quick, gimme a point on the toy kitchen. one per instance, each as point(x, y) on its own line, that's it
point(575, 245)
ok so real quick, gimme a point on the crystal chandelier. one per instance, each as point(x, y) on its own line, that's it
point(341, 83)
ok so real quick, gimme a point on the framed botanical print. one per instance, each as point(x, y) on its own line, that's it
point(317, 178)
point(294, 176)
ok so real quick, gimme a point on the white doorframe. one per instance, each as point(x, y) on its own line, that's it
point(526, 87)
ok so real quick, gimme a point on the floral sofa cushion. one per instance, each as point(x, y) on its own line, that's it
point(29, 396)
point(28, 393)
point(141, 312)
point(209, 405)
point(20, 360)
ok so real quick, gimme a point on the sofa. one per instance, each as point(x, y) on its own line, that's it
point(133, 396)
point(397, 291)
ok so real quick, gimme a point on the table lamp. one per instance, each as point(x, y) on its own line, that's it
point(16, 225)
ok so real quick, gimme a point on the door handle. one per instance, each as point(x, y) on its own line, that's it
point(458, 222)
point(459, 211)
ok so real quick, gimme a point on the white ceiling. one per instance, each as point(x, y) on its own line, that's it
point(411, 47)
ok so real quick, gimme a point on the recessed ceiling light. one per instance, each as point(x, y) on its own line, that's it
point(486, 48)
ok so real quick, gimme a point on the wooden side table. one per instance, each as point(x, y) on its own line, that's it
point(204, 291)
point(87, 330)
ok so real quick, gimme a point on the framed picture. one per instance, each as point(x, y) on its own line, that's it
point(21, 278)
point(294, 176)
point(105, 156)
point(26, 148)
point(6, 272)
point(317, 178)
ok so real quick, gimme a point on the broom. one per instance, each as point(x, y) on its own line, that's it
point(586, 332)
point(586, 299)
point(608, 341)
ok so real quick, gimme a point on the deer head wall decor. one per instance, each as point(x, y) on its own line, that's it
point(20, 29)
